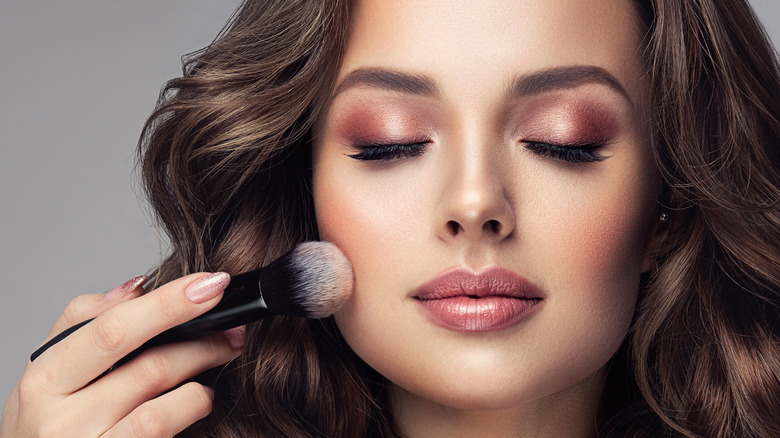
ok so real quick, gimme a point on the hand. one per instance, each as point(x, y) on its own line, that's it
point(59, 396)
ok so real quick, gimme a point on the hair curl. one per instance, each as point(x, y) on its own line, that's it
point(225, 160)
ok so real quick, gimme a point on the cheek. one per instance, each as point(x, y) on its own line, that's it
point(590, 243)
point(598, 242)
point(362, 216)
point(377, 223)
point(378, 219)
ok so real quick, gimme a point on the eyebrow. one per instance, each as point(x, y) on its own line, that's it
point(557, 78)
point(561, 78)
point(388, 80)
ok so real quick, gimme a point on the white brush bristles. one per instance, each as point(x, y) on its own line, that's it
point(324, 278)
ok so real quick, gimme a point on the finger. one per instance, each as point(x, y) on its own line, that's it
point(88, 306)
point(149, 375)
point(81, 357)
point(166, 415)
point(236, 336)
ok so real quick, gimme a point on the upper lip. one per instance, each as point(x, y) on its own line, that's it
point(490, 282)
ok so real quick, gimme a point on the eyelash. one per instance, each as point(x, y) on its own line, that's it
point(578, 153)
point(390, 151)
point(584, 153)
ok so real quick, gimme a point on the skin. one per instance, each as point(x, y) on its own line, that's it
point(56, 396)
point(477, 197)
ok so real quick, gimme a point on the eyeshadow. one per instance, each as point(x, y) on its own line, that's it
point(568, 121)
point(370, 120)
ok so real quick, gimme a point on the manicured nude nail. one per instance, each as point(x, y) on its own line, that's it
point(209, 391)
point(208, 287)
point(235, 337)
point(125, 288)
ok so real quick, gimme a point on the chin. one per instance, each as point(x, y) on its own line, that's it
point(471, 394)
point(491, 391)
point(477, 398)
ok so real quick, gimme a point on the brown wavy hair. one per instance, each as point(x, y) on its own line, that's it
point(225, 160)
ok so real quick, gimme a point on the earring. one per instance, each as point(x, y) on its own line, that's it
point(664, 217)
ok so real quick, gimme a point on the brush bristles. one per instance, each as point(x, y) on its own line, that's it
point(313, 280)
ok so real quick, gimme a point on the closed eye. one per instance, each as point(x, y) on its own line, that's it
point(577, 153)
point(389, 151)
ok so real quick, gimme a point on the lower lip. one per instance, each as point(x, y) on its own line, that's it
point(478, 314)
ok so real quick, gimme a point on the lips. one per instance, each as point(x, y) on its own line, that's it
point(492, 299)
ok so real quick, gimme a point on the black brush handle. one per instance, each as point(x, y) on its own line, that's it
point(241, 303)
point(64, 334)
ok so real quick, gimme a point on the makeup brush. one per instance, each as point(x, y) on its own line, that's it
point(311, 281)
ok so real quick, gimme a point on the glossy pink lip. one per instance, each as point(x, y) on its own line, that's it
point(493, 299)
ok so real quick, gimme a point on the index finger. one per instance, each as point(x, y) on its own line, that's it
point(88, 306)
point(71, 364)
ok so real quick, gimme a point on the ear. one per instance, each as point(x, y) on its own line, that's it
point(654, 241)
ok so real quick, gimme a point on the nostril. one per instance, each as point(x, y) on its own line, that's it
point(494, 225)
point(454, 227)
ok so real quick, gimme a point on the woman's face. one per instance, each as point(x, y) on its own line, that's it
point(484, 166)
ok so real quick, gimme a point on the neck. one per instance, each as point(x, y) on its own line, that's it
point(571, 412)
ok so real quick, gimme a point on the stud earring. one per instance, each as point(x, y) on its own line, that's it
point(664, 217)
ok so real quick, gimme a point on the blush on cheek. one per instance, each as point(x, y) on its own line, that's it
point(369, 225)
point(364, 220)
point(594, 249)
point(342, 220)
point(613, 237)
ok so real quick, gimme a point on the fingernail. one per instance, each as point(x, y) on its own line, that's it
point(208, 287)
point(124, 288)
point(209, 391)
point(236, 336)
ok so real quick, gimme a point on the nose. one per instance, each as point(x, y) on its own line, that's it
point(474, 204)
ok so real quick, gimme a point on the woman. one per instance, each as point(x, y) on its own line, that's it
point(600, 179)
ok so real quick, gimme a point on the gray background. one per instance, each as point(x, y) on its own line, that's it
point(77, 80)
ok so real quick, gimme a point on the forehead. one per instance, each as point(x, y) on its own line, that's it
point(470, 45)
